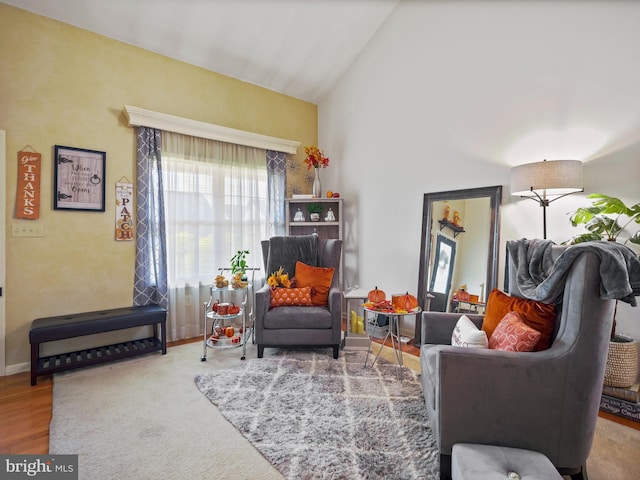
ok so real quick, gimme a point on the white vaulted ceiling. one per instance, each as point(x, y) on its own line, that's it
point(296, 47)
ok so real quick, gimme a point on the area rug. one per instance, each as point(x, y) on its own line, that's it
point(315, 417)
point(143, 418)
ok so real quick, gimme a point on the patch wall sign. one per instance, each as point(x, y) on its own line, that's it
point(125, 229)
point(28, 193)
point(79, 179)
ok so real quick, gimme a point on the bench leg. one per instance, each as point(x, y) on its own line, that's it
point(35, 353)
point(163, 327)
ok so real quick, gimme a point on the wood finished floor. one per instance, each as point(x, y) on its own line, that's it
point(25, 411)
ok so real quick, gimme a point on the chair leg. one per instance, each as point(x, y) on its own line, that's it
point(336, 351)
point(575, 473)
point(581, 475)
point(260, 351)
point(445, 467)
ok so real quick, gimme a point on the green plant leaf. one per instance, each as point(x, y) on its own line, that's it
point(582, 238)
point(605, 219)
point(583, 215)
point(610, 205)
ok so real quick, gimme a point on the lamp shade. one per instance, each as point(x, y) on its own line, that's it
point(554, 177)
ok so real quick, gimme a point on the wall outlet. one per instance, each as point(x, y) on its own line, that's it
point(27, 230)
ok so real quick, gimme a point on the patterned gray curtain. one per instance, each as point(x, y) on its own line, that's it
point(276, 168)
point(150, 283)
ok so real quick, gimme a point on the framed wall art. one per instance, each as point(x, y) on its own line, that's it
point(79, 176)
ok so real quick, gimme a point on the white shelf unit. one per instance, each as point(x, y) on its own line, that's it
point(325, 230)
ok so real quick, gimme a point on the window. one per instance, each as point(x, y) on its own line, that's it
point(215, 204)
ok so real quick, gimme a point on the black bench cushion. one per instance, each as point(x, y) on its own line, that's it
point(79, 324)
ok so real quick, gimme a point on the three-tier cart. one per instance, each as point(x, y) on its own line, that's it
point(229, 330)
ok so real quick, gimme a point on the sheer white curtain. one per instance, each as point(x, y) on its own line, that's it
point(215, 204)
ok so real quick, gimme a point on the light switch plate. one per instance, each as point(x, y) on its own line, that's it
point(27, 230)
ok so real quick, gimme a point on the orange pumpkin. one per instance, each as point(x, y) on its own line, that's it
point(229, 331)
point(405, 302)
point(376, 295)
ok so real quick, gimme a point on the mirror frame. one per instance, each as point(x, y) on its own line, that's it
point(495, 199)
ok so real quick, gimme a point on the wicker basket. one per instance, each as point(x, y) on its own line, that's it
point(622, 363)
point(374, 330)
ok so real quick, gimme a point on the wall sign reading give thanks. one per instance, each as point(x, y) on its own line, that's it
point(28, 192)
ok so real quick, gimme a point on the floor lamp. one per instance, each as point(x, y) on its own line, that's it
point(546, 182)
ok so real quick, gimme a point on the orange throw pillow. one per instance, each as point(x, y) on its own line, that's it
point(300, 297)
point(537, 315)
point(318, 278)
point(513, 335)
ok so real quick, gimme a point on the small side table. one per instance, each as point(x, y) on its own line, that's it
point(354, 338)
point(395, 322)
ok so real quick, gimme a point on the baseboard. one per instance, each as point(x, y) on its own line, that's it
point(18, 368)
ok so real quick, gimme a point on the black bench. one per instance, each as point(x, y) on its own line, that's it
point(79, 324)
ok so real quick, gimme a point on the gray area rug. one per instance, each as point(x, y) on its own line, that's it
point(315, 417)
point(142, 418)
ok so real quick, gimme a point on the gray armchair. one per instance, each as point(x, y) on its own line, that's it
point(318, 326)
point(544, 401)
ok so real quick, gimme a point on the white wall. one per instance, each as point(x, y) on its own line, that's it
point(451, 95)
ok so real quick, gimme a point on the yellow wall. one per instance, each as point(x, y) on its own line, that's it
point(60, 85)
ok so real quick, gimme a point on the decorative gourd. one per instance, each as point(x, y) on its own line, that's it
point(406, 301)
point(376, 295)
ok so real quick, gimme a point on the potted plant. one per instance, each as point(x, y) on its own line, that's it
point(606, 219)
point(314, 211)
point(239, 264)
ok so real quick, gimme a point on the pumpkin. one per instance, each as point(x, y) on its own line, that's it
point(229, 331)
point(376, 295)
point(405, 301)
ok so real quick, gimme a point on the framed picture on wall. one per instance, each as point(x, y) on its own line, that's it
point(79, 178)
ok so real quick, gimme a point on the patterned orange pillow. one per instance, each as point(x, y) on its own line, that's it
point(300, 297)
point(514, 335)
point(540, 316)
point(318, 278)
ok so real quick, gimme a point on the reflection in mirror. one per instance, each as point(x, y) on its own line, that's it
point(463, 224)
point(442, 270)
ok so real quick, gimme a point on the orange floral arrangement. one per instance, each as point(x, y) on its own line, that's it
point(315, 158)
point(279, 279)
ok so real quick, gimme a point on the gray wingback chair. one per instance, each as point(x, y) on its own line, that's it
point(317, 326)
point(544, 401)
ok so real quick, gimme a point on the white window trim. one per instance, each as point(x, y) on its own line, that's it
point(162, 121)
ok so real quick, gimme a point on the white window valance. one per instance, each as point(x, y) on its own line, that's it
point(162, 121)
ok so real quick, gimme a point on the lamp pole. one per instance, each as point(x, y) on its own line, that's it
point(544, 203)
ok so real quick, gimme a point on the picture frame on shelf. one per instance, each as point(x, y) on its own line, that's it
point(79, 179)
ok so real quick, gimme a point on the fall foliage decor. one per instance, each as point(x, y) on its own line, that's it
point(279, 279)
point(315, 158)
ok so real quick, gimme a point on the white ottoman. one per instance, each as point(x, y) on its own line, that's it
point(486, 462)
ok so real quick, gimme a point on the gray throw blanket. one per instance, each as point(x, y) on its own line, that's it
point(540, 278)
point(286, 251)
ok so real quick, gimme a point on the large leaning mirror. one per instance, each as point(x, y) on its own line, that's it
point(459, 250)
